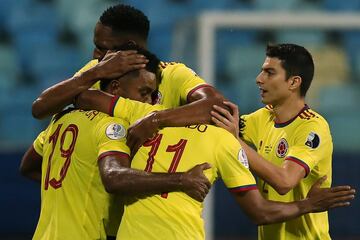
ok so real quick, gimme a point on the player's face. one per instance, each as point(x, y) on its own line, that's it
point(272, 82)
point(105, 39)
point(139, 87)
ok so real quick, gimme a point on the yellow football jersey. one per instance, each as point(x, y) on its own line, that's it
point(178, 82)
point(74, 203)
point(131, 110)
point(175, 215)
point(89, 65)
point(305, 140)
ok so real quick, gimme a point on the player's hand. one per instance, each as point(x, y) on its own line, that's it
point(142, 130)
point(224, 119)
point(117, 63)
point(322, 199)
point(195, 183)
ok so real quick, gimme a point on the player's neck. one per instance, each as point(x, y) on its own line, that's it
point(288, 109)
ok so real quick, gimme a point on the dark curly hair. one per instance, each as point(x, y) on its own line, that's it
point(126, 19)
point(151, 66)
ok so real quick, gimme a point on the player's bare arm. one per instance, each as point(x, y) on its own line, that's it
point(30, 165)
point(118, 177)
point(196, 111)
point(113, 65)
point(283, 178)
point(263, 211)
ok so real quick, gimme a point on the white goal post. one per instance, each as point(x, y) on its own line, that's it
point(208, 22)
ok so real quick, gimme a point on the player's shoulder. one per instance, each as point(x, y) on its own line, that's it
point(87, 66)
point(221, 135)
point(84, 117)
point(311, 121)
point(168, 66)
point(105, 119)
point(310, 117)
point(84, 121)
point(90, 64)
point(264, 112)
point(114, 128)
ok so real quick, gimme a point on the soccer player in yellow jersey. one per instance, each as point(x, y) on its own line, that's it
point(176, 216)
point(179, 85)
point(293, 142)
point(79, 154)
point(118, 25)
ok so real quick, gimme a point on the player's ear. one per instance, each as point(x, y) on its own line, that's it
point(295, 82)
point(114, 87)
point(131, 43)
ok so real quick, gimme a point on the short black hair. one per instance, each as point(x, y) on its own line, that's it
point(152, 65)
point(296, 60)
point(126, 19)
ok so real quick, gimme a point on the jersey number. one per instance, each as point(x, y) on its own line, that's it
point(177, 148)
point(65, 153)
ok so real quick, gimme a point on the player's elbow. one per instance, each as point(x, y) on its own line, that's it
point(26, 171)
point(109, 184)
point(37, 109)
point(24, 168)
point(23, 171)
point(110, 188)
point(284, 186)
point(114, 184)
point(259, 212)
point(261, 219)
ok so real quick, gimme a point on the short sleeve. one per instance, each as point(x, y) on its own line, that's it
point(39, 143)
point(311, 144)
point(131, 110)
point(110, 137)
point(89, 65)
point(184, 81)
point(233, 166)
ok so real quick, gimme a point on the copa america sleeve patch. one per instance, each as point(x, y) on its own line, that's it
point(115, 131)
point(313, 140)
point(243, 158)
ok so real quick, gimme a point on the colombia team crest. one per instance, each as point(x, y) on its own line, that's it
point(282, 148)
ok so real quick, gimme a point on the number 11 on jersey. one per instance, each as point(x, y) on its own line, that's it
point(177, 148)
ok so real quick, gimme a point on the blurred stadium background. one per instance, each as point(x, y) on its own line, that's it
point(45, 41)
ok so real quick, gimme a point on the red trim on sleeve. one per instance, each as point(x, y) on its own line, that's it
point(112, 105)
point(110, 153)
point(301, 163)
point(243, 188)
point(195, 89)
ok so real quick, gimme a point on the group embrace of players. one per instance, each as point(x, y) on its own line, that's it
point(144, 140)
